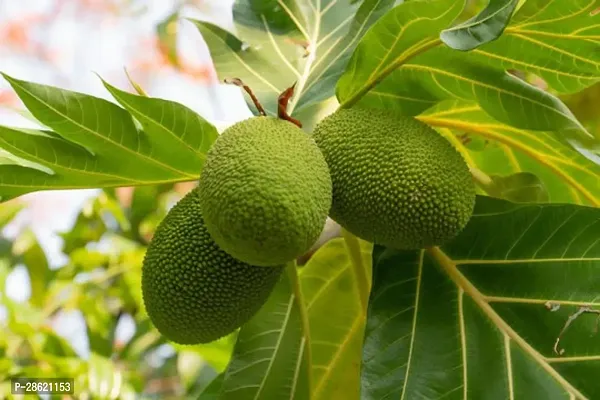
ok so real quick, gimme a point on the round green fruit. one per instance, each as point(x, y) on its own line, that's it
point(396, 181)
point(193, 291)
point(265, 191)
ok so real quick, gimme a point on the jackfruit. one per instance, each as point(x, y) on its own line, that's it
point(193, 291)
point(265, 190)
point(396, 181)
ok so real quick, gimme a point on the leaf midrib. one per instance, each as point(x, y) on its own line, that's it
point(485, 131)
point(103, 138)
point(199, 155)
point(59, 167)
point(451, 270)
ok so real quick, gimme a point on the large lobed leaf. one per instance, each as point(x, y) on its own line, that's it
point(271, 357)
point(306, 341)
point(483, 28)
point(473, 319)
point(336, 318)
point(281, 43)
point(501, 150)
point(401, 63)
point(95, 143)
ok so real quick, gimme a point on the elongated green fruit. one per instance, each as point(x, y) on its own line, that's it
point(193, 291)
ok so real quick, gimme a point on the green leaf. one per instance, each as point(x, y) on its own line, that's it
point(167, 35)
point(212, 391)
point(96, 124)
point(336, 319)
point(100, 324)
point(145, 339)
point(33, 257)
point(172, 127)
point(568, 176)
point(217, 353)
point(88, 227)
point(8, 212)
point(412, 70)
point(68, 165)
point(556, 40)
point(483, 28)
point(521, 187)
point(105, 382)
point(95, 143)
point(438, 318)
point(57, 346)
point(279, 43)
point(271, 358)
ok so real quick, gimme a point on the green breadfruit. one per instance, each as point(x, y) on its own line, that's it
point(396, 181)
point(193, 291)
point(266, 191)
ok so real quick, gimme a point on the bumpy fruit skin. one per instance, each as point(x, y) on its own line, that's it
point(265, 191)
point(193, 291)
point(396, 181)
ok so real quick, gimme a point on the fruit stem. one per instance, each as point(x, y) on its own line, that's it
point(358, 267)
point(282, 104)
point(240, 83)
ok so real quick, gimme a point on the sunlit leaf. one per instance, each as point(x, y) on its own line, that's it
point(438, 318)
point(271, 358)
point(279, 43)
point(100, 325)
point(95, 143)
point(567, 176)
point(485, 27)
point(521, 187)
point(212, 391)
point(336, 319)
point(105, 382)
point(411, 70)
point(167, 37)
point(8, 212)
point(56, 345)
point(88, 227)
point(217, 353)
point(31, 254)
point(172, 127)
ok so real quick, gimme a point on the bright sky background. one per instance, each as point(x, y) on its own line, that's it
point(62, 43)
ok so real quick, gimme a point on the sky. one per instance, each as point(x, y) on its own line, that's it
point(65, 43)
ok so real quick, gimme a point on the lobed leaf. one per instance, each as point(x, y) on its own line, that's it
point(438, 319)
point(173, 128)
point(567, 176)
point(279, 43)
point(271, 357)
point(336, 320)
point(95, 143)
point(483, 28)
point(410, 70)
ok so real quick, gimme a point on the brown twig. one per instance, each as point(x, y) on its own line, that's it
point(282, 103)
point(240, 83)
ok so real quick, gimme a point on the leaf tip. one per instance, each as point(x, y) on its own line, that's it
point(7, 77)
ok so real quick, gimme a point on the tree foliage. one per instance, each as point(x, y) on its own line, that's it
point(506, 310)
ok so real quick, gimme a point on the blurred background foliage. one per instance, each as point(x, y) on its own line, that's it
point(98, 279)
point(101, 281)
point(70, 291)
